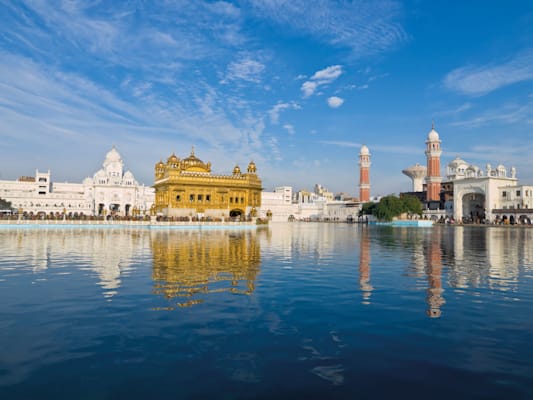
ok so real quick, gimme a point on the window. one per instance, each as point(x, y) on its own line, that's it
point(518, 193)
point(242, 200)
point(504, 194)
point(178, 197)
point(207, 197)
point(200, 197)
point(191, 197)
point(231, 199)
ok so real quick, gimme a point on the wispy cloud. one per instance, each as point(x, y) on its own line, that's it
point(319, 78)
point(275, 111)
point(506, 114)
point(58, 112)
point(289, 128)
point(335, 102)
point(411, 150)
point(245, 69)
point(480, 80)
point(454, 111)
point(362, 26)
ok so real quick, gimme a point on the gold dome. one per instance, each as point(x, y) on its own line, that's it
point(173, 159)
point(252, 168)
point(194, 164)
point(236, 170)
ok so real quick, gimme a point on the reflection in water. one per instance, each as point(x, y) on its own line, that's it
point(460, 257)
point(302, 313)
point(108, 253)
point(434, 296)
point(364, 266)
point(190, 264)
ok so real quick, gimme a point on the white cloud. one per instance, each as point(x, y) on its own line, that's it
point(328, 74)
point(480, 80)
point(309, 88)
point(245, 69)
point(289, 128)
point(365, 27)
point(506, 114)
point(275, 111)
point(322, 77)
point(335, 102)
point(53, 113)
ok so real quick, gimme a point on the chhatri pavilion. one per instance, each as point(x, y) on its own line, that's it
point(187, 188)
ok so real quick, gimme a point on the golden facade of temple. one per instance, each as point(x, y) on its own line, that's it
point(187, 188)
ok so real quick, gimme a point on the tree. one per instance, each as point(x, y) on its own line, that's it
point(392, 206)
point(388, 208)
point(368, 209)
point(412, 204)
point(4, 204)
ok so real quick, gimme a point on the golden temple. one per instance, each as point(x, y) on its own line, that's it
point(187, 188)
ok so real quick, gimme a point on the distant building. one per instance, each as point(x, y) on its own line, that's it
point(306, 205)
point(109, 192)
point(364, 174)
point(433, 178)
point(469, 193)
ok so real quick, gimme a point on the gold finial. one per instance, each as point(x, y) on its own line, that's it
point(433, 124)
point(192, 150)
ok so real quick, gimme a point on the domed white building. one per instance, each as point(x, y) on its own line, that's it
point(110, 191)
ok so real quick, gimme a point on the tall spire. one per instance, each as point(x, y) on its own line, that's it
point(364, 174)
point(192, 150)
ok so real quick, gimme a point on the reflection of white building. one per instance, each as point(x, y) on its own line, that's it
point(106, 253)
point(110, 190)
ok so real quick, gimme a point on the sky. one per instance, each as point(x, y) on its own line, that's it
point(297, 86)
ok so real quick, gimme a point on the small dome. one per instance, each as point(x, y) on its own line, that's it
point(457, 162)
point(364, 151)
point(252, 168)
point(113, 156)
point(128, 175)
point(433, 135)
point(100, 174)
point(160, 164)
point(236, 170)
point(172, 159)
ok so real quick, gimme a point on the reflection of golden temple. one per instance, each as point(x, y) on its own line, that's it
point(186, 188)
point(434, 272)
point(364, 266)
point(190, 265)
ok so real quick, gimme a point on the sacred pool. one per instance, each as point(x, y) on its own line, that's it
point(293, 310)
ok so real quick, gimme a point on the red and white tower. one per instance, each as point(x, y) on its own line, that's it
point(433, 178)
point(364, 174)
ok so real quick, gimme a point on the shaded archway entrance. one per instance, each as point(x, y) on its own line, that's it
point(473, 208)
point(236, 213)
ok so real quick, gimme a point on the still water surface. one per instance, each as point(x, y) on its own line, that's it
point(297, 310)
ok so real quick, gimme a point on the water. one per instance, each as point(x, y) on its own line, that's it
point(297, 310)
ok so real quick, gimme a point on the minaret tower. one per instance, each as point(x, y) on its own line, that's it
point(364, 174)
point(433, 178)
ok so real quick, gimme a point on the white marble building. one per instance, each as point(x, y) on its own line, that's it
point(110, 191)
point(281, 206)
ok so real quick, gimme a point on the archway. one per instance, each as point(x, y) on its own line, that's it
point(236, 213)
point(473, 207)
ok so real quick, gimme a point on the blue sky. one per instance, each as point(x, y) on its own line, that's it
point(297, 86)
